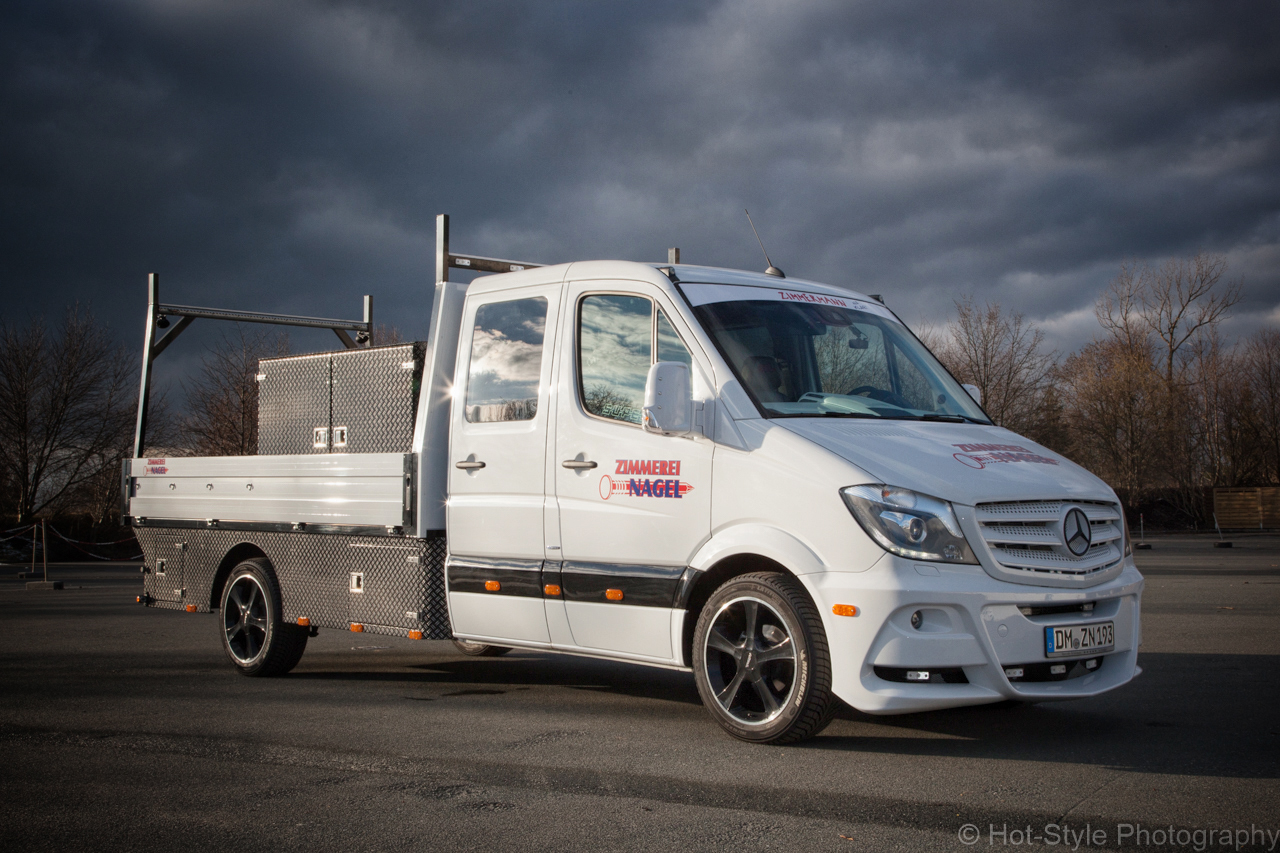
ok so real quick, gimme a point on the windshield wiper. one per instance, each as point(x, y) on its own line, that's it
point(825, 415)
point(953, 419)
point(950, 419)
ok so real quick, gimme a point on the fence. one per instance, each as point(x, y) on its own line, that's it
point(1247, 508)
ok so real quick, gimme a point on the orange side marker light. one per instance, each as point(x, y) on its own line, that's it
point(191, 608)
point(357, 628)
point(845, 610)
point(613, 594)
point(415, 635)
point(551, 589)
point(492, 586)
point(304, 621)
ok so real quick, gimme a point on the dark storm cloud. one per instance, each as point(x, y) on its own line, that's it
point(290, 156)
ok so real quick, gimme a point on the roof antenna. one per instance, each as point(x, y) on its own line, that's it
point(772, 270)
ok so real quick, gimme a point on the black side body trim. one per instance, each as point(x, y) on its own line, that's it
point(642, 586)
point(514, 577)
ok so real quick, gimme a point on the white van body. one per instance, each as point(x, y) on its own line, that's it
point(721, 525)
point(770, 488)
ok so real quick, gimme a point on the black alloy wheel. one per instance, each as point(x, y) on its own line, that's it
point(761, 662)
point(253, 635)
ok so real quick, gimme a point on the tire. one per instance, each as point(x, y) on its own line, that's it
point(255, 640)
point(480, 650)
point(761, 661)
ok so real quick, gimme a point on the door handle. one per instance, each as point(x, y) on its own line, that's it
point(469, 466)
point(577, 464)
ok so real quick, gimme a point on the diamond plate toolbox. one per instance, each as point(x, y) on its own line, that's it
point(350, 401)
point(387, 584)
point(375, 398)
point(293, 403)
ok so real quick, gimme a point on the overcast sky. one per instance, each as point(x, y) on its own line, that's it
point(290, 156)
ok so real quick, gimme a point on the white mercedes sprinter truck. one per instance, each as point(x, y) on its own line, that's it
point(768, 482)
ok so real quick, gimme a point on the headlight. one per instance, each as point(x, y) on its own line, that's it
point(909, 524)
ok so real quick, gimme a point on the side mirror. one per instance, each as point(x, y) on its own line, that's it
point(974, 392)
point(668, 399)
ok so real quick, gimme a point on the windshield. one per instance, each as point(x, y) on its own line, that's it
point(812, 355)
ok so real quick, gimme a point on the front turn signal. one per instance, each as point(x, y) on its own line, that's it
point(844, 610)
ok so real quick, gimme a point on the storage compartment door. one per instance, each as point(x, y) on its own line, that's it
point(164, 564)
point(375, 398)
point(293, 404)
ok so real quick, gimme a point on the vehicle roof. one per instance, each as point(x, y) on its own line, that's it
point(654, 273)
point(690, 274)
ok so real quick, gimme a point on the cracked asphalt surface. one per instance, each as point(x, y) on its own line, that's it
point(122, 728)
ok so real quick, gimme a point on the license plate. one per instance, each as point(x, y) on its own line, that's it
point(1069, 640)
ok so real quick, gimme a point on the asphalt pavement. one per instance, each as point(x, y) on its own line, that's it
point(123, 728)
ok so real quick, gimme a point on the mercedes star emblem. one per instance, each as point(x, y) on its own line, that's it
point(1076, 533)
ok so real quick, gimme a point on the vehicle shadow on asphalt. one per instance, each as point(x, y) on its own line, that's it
point(1193, 714)
point(529, 670)
point(1196, 714)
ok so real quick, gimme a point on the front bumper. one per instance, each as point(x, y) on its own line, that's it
point(971, 628)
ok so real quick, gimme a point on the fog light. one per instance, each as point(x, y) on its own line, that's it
point(916, 619)
point(1058, 669)
point(1013, 672)
point(917, 675)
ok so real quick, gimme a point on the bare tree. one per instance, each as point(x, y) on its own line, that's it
point(1114, 396)
point(222, 401)
point(1181, 300)
point(1262, 370)
point(66, 408)
point(1004, 356)
point(1170, 315)
point(384, 335)
point(1119, 309)
point(1222, 415)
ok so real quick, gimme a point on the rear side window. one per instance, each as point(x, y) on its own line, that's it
point(618, 339)
point(506, 361)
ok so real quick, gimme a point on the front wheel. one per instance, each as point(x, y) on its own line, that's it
point(761, 662)
point(253, 636)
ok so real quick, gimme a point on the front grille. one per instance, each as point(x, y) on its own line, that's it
point(1026, 537)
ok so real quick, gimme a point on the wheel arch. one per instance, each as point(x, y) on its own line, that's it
point(234, 557)
point(707, 581)
point(740, 550)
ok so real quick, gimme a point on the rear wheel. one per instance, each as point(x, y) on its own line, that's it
point(253, 636)
point(761, 662)
point(480, 650)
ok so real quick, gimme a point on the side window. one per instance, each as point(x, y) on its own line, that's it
point(506, 361)
point(615, 349)
point(670, 347)
point(619, 337)
point(914, 387)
